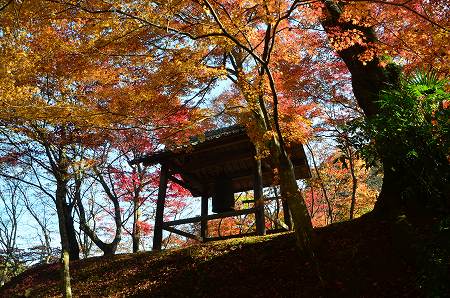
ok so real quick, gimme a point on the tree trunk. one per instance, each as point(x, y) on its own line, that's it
point(258, 198)
point(74, 248)
point(61, 193)
point(48, 248)
point(368, 80)
point(291, 193)
point(280, 159)
point(354, 183)
point(136, 236)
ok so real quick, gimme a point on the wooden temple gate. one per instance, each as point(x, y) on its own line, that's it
point(219, 166)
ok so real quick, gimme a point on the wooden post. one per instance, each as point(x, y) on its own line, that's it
point(286, 214)
point(204, 221)
point(259, 202)
point(159, 217)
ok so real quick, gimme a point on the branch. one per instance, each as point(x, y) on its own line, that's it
point(28, 183)
point(6, 5)
point(142, 20)
point(403, 5)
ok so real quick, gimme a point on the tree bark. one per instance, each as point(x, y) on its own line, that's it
point(74, 248)
point(368, 80)
point(291, 193)
point(258, 198)
point(136, 234)
point(354, 182)
point(61, 193)
point(280, 159)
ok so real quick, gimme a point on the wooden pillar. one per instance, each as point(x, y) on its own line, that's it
point(159, 217)
point(286, 214)
point(258, 197)
point(204, 221)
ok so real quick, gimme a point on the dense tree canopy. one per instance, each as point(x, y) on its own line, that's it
point(88, 85)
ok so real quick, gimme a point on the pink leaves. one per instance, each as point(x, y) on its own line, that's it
point(133, 140)
point(144, 227)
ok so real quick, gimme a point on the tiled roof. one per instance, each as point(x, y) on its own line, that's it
point(210, 135)
point(217, 133)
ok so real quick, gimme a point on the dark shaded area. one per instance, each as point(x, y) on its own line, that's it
point(360, 258)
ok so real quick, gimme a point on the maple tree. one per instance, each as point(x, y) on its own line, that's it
point(331, 194)
point(136, 186)
point(72, 68)
point(54, 75)
point(404, 35)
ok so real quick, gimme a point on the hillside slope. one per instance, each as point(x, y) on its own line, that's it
point(356, 259)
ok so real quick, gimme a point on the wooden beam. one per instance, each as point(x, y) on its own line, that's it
point(247, 174)
point(193, 185)
point(185, 185)
point(265, 200)
point(204, 220)
point(258, 197)
point(209, 217)
point(182, 233)
point(159, 216)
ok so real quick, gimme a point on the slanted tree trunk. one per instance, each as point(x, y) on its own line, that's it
point(280, 159)
point(291, 193)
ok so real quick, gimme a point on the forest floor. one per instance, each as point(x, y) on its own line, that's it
point(359, 258)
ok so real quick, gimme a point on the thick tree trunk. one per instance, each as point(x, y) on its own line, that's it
point(368, 80)
point(61, 193)
point(74, 248)
point(387, 202)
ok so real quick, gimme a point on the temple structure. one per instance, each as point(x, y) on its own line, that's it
point(217, 166)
